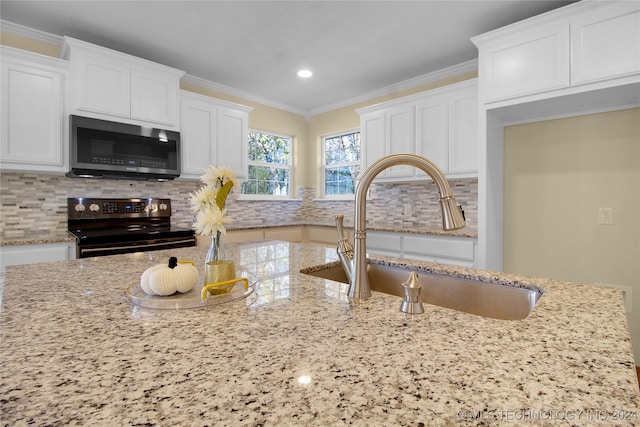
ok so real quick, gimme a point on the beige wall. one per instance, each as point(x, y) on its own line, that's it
point(19, 42)
point(558, 174)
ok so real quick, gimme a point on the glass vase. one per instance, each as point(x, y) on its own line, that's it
point(216, 249)
point(218, 268)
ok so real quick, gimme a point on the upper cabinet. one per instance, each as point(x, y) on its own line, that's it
point(214, 132)
point(582, 43)
point(115, 86)
point(439, 124)
point(32, 112)
point(605, 42)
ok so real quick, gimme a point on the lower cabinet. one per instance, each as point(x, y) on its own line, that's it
point(31, 254)
point(441, 249)
point(289, 234)
point(451, 250)
point(325, 236)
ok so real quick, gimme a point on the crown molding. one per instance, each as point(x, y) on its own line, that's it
point(432, 77)
point(228, 90)
point(31, 33)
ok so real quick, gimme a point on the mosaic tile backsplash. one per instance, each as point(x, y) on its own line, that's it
point(32, 201)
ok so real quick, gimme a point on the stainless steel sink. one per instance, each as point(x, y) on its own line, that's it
point(470, 296)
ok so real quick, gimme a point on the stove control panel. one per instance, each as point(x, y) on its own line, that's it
point(93, 208)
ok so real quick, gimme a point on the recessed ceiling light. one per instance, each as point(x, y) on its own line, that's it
point(305, 74)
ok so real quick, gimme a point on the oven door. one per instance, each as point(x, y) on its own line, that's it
point(86, 250)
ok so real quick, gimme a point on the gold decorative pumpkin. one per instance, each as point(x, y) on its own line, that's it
point(163, 279)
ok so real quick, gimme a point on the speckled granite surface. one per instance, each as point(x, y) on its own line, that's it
point(58, 237)
point(36, 237)
point(471, 232)
point(76, 351)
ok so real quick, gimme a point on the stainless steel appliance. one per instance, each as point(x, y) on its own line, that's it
point(105, 149)
point(116, 226)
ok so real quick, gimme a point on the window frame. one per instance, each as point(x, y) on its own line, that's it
point(291, 138)
point(323, 165)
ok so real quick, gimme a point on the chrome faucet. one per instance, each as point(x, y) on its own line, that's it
point(354, 260)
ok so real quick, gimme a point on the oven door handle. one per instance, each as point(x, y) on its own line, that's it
point(146, 245)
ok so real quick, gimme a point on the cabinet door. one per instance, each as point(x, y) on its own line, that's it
point(287, 234)
point(197, 136)
point(232, 133)
point(372, 138)
point(463, 131)
point(401, 137)
point(154, 97)
point(384, 243)
point(606, 42)
point(526, 63)
point(32, 116)
point(102, 85)
point(432, 131)
point(30, 254)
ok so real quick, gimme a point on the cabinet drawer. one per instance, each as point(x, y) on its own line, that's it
point(31, 254)
point(288, 234)
point(384, 243)
point(438, 247)
point(243, 235)
point(322, 235)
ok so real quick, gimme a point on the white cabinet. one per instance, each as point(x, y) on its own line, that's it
point(452, 250)
point(463, 130)
point(439, 124)
point(30, 254)
point(214, 132)
point(581, 43)
point(114, 86)
point(603, 74)
point(323, 235)
point(33, 100)
point(288, 234)
point(400, 137)
point(605, 42)
point(389, 130)
point(432, 129)
point(527, 62)
point(372, 137)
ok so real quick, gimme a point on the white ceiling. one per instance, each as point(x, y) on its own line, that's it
point(256, 47)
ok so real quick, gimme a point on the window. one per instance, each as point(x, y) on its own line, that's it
point(269, 165)
point(341, 164)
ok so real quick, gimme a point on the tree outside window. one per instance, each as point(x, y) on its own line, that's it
point(269, 165)
point(341, 163)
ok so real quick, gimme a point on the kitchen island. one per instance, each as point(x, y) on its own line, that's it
point(75, 350)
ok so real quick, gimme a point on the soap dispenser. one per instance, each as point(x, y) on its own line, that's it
point(411, 303)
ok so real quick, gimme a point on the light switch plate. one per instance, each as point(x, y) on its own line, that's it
point(605, 216)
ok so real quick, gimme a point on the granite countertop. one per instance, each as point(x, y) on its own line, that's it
point(76, 351)
point(468, 231)
point(40, 237)
point(35, 237)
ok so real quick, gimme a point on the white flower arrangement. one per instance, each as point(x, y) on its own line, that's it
point(209, 201)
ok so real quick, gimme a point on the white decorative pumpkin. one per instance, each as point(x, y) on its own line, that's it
point(163, 279)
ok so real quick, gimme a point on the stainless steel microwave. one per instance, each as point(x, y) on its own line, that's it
point(105, 149)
